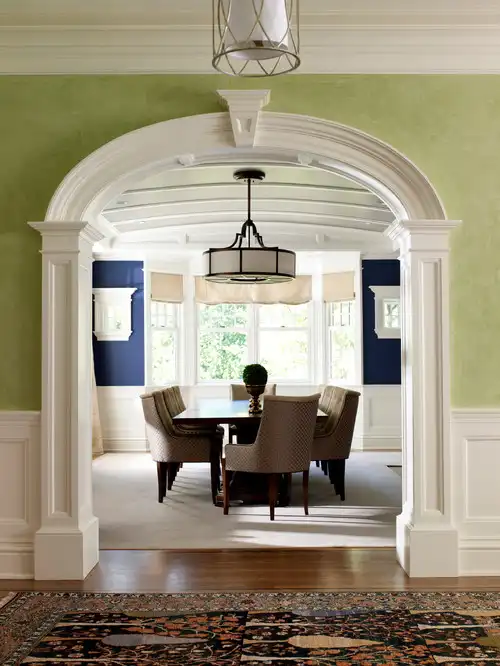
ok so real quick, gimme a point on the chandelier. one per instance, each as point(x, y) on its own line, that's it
point(247, 260)
point(255, 37)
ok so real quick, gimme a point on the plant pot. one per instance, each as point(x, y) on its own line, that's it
point(255, 390)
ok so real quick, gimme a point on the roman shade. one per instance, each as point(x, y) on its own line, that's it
point(338, 287)
point(166, 287)
point(291, 293)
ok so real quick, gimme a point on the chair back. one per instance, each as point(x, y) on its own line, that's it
point(155, 431)
point(286, 432)
point(339, 404)
point(239, 392)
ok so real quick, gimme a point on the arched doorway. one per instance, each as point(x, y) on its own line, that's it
point(66, 545)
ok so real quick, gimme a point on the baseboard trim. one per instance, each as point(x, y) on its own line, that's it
point(376, 444)
point(125, 445)
point(17, 561)
point(480, 557)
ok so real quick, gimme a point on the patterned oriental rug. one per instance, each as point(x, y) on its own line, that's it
point(281, 629)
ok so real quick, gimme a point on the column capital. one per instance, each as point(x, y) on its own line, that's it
point(423, 235)
point(66, 236)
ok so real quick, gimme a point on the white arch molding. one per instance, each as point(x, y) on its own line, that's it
point(66, 545)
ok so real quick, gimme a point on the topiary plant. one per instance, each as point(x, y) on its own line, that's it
point(254, 375)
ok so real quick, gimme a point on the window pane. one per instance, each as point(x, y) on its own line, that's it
point(222, 355)
point(163, 315)
point(223, 315)
point(391, 313)
point(280, 315)
point(342, 357)
point(163, 357)
point(284, 353)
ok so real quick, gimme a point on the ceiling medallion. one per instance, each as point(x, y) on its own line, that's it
point(247, 260)
point(255, 37)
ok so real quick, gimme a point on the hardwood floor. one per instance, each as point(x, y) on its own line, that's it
point(333, 569)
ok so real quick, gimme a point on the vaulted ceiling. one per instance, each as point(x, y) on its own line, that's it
point(191, 207)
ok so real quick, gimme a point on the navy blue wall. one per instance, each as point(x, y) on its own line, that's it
point(381, 358)
point(121, 363)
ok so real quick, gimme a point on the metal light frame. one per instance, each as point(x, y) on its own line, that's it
point(246, 255)
point(226, 46)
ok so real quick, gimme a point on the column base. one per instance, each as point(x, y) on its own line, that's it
point(63, 554)
point(427, 552)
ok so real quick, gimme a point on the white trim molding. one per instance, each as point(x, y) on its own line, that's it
point(421, 235)
point(19, 492)
point(382, 294)
point(440, 48)
point(113, 313)
point(476, 491)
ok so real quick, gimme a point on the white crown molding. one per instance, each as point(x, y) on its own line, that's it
point(414, 45)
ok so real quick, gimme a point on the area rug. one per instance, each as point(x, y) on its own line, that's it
point(281, 629)
point(187, 518)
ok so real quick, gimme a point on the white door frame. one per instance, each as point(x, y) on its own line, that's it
point(67, 542)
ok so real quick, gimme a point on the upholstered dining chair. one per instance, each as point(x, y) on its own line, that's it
point(239, 392)
point(333, 438)
point(283, 446)
point(171, 445)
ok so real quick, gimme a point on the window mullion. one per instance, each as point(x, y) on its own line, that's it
point(253, 334)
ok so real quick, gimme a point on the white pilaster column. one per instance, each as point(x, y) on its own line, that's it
point(67, 543)
point(427, 540)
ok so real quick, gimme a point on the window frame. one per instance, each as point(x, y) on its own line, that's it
point(252, 333)
point(176, 330)
point(328, 330)
point(384, 293)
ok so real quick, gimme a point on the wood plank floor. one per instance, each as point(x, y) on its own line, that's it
point(333, 569)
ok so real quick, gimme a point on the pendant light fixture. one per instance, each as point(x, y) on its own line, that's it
point(255, 37)
point(247, 260)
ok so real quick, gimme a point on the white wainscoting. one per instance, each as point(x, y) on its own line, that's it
point(476, 489)
point(122, 418)
point(378, 426)
point(19, 492)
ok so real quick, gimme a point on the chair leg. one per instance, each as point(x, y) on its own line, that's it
point(331, 471)
point(273, 493)
point(171, 471)
point(338, 467)
point(225, 487)
point(324, 467)
point(214, 472)
point(305, 490)
point(161, 471)
point(317, 463)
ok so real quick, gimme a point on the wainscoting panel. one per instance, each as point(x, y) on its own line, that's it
point(476, 489)
point(379, 420)
point(378, 426)
point(122, 418)
point(19, 491)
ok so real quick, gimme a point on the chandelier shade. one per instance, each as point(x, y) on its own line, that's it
point(247, 260)
point(255, 37)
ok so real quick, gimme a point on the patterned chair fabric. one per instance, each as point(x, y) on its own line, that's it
point(333, 438)
point(239, 392)
point(284, 440)
point(168, 442)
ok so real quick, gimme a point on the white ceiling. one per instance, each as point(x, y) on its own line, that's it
point(381, 36)
point(303, 208)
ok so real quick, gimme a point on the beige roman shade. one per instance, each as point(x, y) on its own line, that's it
point(338, 287)
point(292, 293)
point(166, 287)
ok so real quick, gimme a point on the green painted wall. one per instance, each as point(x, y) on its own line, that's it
point(448, 125)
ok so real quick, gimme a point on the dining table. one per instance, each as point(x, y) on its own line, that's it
point(245, 488)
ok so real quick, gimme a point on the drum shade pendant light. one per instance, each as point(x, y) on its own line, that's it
point(247, 260)
point(255, 37)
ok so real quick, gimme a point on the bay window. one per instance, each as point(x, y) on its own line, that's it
point(164, 342)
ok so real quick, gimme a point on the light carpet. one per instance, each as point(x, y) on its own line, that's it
point(125, 501)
